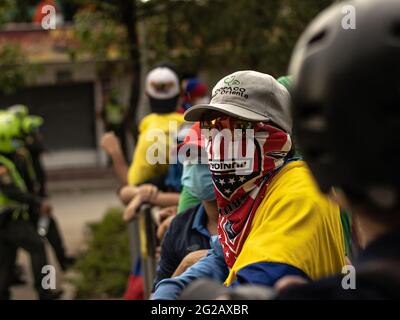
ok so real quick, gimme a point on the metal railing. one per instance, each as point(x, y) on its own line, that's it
point(143, 244)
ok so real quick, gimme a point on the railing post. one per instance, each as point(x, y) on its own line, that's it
point(147, 248)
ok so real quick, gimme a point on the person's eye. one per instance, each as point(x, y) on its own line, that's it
point(213, 123)
point(242, 125)
point(205, 124)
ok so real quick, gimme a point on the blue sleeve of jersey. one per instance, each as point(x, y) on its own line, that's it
point(266, 273)
point(212, 266)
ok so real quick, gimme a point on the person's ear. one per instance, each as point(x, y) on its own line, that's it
point(344, 202)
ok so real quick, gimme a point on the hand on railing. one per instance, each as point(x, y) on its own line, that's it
point(189, 260)
point(145, 193)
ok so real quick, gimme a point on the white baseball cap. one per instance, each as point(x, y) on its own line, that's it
point(162, 83)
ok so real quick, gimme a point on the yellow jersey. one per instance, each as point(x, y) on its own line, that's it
point(151, 129)
point(295, 224)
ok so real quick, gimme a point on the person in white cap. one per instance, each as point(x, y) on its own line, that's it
point(142, 179)
point(163, 91)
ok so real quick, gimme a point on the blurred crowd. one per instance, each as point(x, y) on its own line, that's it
point(280, 184)
point(237, 227)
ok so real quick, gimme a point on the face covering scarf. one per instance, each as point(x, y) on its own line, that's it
point(239, 195)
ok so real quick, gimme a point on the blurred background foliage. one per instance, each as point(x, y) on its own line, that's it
point(213, 36)
point(104, 266)
point(196, 34)
point(236, 34)
point(205, 34)
point(15, 70)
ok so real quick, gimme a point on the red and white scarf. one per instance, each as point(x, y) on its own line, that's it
point(239, 195)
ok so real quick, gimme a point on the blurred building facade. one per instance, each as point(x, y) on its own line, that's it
point(65, 91)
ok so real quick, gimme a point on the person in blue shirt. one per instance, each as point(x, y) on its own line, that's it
point(184, 253)
point(190, 231)
point(188, 237)
point(212, 266)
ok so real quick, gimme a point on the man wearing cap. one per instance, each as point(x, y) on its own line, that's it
point(194, 92)
point(163, 91)
point(273, 220)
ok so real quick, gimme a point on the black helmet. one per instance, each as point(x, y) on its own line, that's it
point(346, 101)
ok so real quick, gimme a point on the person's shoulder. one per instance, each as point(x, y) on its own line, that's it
point(158, 120)
point(172, 117)
point(326, 289)
point(295, 180)
point(186, 216)
point(294, 170)
point(372, 283)
point(294, 185)
point(146, 121)
point(181, 223)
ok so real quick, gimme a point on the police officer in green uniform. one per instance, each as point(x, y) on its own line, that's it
point(30, 126)
point(25, 158)
point(16, 229)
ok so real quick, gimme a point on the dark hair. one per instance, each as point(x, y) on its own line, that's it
point(390, 217)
